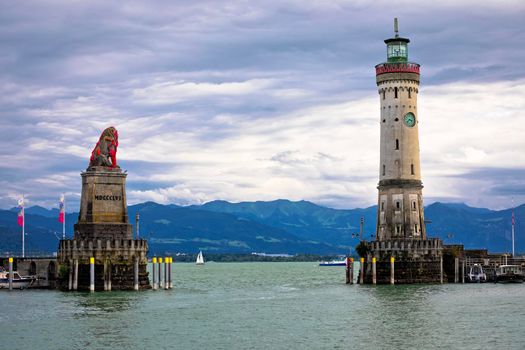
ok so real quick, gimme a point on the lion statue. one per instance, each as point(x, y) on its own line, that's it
point(105, 151)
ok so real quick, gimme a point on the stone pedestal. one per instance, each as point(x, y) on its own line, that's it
point(415, 261)
point(103, 233)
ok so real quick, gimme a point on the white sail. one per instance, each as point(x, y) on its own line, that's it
point(200, 259)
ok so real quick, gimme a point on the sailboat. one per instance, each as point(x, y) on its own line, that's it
point(200, 259)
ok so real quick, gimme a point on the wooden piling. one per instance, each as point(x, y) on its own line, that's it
point(161, 284)
point(166, 282)
point(154, 262)
point(362, 271)
point(456, 270)
point(351, 270)
point(70, 281)
point(92, 274)
point(105, 275)
point(109, 276)
point(463, 271)
point(441, 269)
point(75, 275)
point(374, 272)
point(392, 274)
point(347, 271)
point(136, 274)
point(169, 273)
point(10, 273)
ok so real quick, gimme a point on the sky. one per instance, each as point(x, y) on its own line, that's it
point(257, 100)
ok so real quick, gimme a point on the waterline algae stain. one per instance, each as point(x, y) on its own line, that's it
point(267, 306)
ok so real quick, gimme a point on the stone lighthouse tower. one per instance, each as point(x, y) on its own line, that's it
point(400, 201)
point(401, 252)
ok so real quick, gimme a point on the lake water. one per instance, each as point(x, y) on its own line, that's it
point(267, 306)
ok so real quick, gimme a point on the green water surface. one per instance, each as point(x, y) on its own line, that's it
point(267, 306)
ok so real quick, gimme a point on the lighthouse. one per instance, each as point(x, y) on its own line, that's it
point(400, 199)
point(401, 252)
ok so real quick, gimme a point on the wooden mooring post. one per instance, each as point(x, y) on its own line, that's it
point(10, 273)
point(362, 271)
point(170, 278)
point(463, 271)
point(154, 262)
point(392, 274)
point(456, 270)
point(374, 272)
point(92, 274)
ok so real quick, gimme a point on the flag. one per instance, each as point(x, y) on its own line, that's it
point(21, 212)
point(61, 212)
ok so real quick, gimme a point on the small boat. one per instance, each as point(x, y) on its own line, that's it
point(19, 282)
point(333, 263)
point(200, 259)
point(476, 274)
point(509, 274)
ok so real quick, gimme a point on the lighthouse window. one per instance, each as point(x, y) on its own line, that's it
point(412, 169)
point(409, 93)
point(384, 170)
point(397, 204)
point(382, 206)
point(395, 92)
point(383, 94)
point(414, 205)
point(397, 143)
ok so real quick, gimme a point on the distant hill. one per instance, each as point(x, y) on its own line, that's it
point(280, 226)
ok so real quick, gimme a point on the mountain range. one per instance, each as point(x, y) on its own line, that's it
point(279, 226)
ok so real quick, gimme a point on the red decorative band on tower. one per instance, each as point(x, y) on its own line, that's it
point(401, 67)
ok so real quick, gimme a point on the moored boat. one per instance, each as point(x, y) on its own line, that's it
point(509, 274)
point(19, 282)
point(476, 274)
point(333, 263)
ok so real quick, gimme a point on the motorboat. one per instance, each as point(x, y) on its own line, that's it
point(509, 274)
point(18, 282)
point(333, 263)
point(476, 274)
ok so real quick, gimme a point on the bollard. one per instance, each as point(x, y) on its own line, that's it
point(456, 270)
point(392, 274)
point(374, 276)
point(441, 270)
point(70, 282)
point(463, 271)
point(92, 274)
point(347, 270)
point(362, 272)
point(75, 275)
point(161, 284)
point(105, 275)
point(154, 261)
point(136, 274)
point(166, 283)
point(169, 273)
point(351, 270)
point(10, 273)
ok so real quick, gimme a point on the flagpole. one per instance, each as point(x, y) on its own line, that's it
point(64, 221)
point(23, 227)
point(513, 227)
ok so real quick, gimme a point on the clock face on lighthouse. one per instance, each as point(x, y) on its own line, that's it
point(410, 119)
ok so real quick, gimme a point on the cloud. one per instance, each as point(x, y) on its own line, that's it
point(256, 101)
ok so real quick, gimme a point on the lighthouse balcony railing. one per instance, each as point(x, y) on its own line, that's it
point(397, 67)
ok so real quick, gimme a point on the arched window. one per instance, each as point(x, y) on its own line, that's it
point(384, 93)
point(409, 93)
point(397, 143)
point(395, 92)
